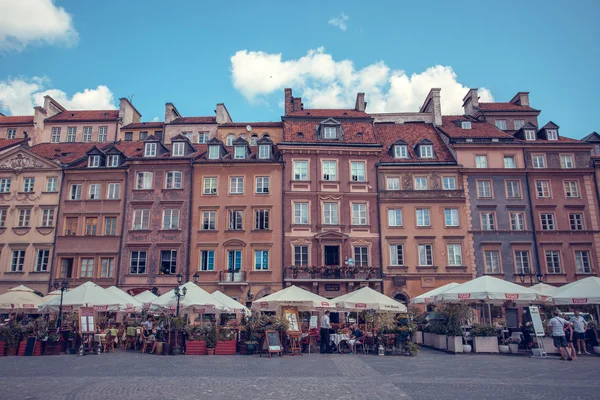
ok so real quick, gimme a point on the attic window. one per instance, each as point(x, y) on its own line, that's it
point(240, 152)
point(400, 151)
point(529, 135)
point(264, 151)
point(150, 150)
point(93, 161)
point(229, 140)
point(465, 124)
point(329, 132)
point(552, 134)
point(300, 135)
point(426, 151)
point(72, 115)
point(213, 152)
point(359, 134)
point(253, 140)
point(178, 149)
point(113, 161)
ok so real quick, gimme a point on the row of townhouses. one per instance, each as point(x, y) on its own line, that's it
point(327, 199)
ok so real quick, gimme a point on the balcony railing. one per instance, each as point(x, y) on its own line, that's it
point(232, 277)
point(342, 274)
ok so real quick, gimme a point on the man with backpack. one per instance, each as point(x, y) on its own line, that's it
point(557, 326)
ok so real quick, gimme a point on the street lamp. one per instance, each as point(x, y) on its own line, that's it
point(179, 294)
point(64, 285)
point(196, 277)
point(179, 278)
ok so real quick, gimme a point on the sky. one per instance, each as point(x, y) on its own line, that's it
point(195, 54)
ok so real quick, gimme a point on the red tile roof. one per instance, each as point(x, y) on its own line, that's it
point(65, 152)
point(479, 130)
point(309, 134)
point(131, 149)
point(6, 143)
point(253, 124)
point(194, 120)
point(388, 133)
point(85, 115)
point(142, 125)
point(324, 112)
point(16, 120)
point(202, 152)
point(498, 106)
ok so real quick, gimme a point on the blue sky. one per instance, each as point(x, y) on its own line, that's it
point(196, 54)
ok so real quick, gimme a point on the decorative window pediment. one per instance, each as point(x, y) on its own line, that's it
point(330, 129)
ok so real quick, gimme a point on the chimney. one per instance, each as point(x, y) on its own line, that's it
point(521, 98)
point(288, 104)
point(127, 112)
point(470, 102)
point(171, 113)
point(433, 105)
point(222, 114)
point(361, 104)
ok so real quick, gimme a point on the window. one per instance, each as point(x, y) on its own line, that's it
point(11, 133)
point(330, 170)
point(300, 170)
point(513, 189)
point(357, 171)
point(102, 133)
point(71, 226)
point(359, 214)
point(420, 183)
point(128, 136)
point(361, 256)
point(519, 124)
point(582, 262)
point(329, 132)
point(94, 191)
point(236, 220)
point(178, 149)
point(87, 268)
point(24, 217)
point(42, 259)
point(426, 151)
point(229, 140)
point(539, 161)
point(4, 185)
point(113, 161)
point(330, 213)
point(449, 183)
point(488, 221)
point(150, 150)
point(87, 133)
point(168, 262)
point(566, 161)
point(542, 189)
point(28, 184)
point(91, 225)
point(170, 219)
point(239, 152)
point(110, 226)
point(137, 264)
point(397, 254)
point(552, 134)
point(522, 262)
point(71, 134)
point(48, 217)
point(300, 256)
point(451, 216)
point(501, 124)
point(509, 162)
point(425, 255)
point(529, 135)
point(465, 124)
point(264, 151)
point(188, 135)
point(263, 184)
point(576, 222)
point(517, 221)
point(484, 189)
point(210, 185)
point(301, 213)
point(571, 189)
point(207, 260)
point(174, 180)
point(423, 217)
point(261, 260)
point(492, 261)
point(213, 152)
point(114, 191)
point(107, 267)
point(480, 161)
point(51, 185)
point(393, 183)
point(3, 212)
point(553, 261)
point(261, 220)
point(454, 255)
point(18, 259)
point(547, 222)
point(141, 219)
point(209, 220)
point(55, 136)
point(234, 260)
point(202, 137)
point(144, 180)
point(236, 185)
point(395, 217)
point(400, 151)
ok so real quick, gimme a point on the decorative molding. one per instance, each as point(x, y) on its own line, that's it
point(20, 162)
point(330, 197)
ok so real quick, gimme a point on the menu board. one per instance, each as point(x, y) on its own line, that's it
point(86, 320)
point(314, 320)
point(537, 321)
point(291, 316)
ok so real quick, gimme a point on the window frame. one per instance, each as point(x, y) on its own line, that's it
point(425, 217)
point(236, 185)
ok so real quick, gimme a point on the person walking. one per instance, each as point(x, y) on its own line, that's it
point(580, 326)
point(569, 336)
point(325, 326)
point(557, 328)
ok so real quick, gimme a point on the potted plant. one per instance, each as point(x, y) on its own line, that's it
point(178, 324)
point(2, 341)
point(485, 339)
point(211, 340)
point(439, 332)
point(503, 348)
point(196, 341)
point(513, 344)
point(226, 343)
point(12, 337)
point(412, 348)
point(72, 342)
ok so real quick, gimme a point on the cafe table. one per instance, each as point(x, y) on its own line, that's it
point(338, 339)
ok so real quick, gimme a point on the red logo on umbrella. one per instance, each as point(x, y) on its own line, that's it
point(464, 295)
point(510, 296)
point(580, 301)
point(360, 305)
point(264, 304)
point(324, 304)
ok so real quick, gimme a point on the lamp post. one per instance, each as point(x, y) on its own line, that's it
point(64, 285)
point(196, 277)
point(179, 294)
point(522, 276)
point(179, 278)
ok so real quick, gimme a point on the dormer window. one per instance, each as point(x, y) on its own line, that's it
point(426, 151)
point(253, 140)
point(240, 152)
point(229, 140)
point(150, 150)
point(213, 152)
point(264, 151)
point(552, 134)
point(113, 161)
point(93, 161)
point(400, 151)
point(529, 135)
point(465, 124)
point(329, 132)
point(178, 149)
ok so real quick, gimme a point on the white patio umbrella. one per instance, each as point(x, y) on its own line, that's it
point(20, 298)
point(584, 291)
point(367, 299)
point(145, 297)
point(292, 296)
point(196, 299)
point(128, 302)
point(234, 306)
point(86, 295)
point(428, 297)
point(545, 291)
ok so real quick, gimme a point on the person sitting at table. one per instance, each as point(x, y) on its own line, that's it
point(148, 324)
point(355, 339)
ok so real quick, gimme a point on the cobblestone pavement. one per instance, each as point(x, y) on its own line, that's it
point(430, 375)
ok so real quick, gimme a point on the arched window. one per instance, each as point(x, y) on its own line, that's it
point(253, 139)
point(230, 139)
point(243, 136)
point(401, 298)
point(266, 136)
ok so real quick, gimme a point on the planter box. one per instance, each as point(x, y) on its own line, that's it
point(549, 345)
point(485, 344)
point(455, 344)
point(418, 337)
point(428, 339)
point(37, 348)
point(226, 348)
point(11, 351)
point(53, 348)
point(439, 342)
point(2, 347)
point(195, 347)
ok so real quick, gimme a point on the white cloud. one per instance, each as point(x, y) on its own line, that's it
point(339, 21)
point(324, 82)
point(155, 119)
point(24, 22)
point(19, 96)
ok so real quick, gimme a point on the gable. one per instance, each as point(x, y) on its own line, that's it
point(20, 159)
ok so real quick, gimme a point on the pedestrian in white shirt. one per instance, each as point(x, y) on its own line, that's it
point(579, 326)
point(325, 326)
point(557, 326)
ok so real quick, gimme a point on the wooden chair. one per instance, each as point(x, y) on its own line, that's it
point(108, 342)
point(148, 340)
point(131, 338)
point(121, 338)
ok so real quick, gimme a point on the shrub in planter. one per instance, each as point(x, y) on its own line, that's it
point(177, 324)
point(513, 344)
point(413, 349)
point(226, 344)
point(455, 339)
point(211, 340)
point(12, 336)
point(196, 342)
point(484, 338)
point(53, 344)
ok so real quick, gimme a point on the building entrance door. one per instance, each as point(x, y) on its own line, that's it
point(332, 255)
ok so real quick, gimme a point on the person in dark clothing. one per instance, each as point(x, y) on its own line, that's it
point(325, 326)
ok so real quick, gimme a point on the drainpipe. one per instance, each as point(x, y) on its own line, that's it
point(283, 203)
point(190, 213)
point(379, 228)
point(532, 220)
point(118, 282)
point(62, 183)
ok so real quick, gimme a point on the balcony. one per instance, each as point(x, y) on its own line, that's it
point(322, 274)
point(232, 278)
